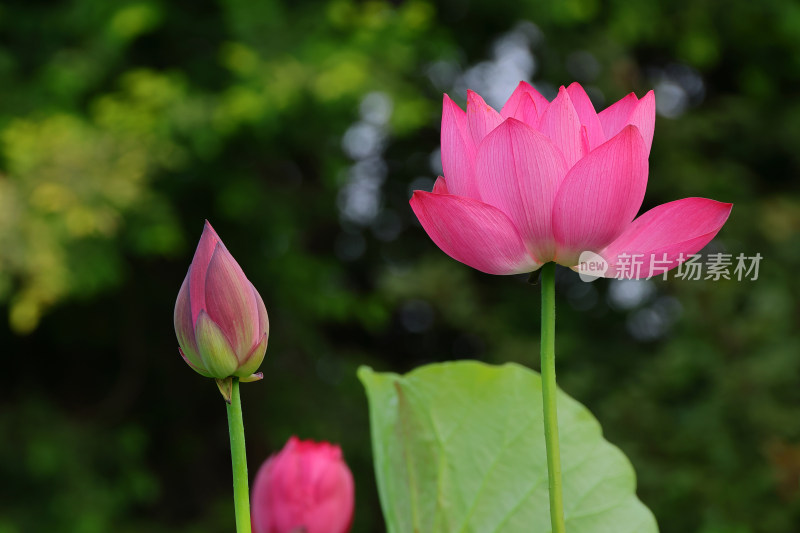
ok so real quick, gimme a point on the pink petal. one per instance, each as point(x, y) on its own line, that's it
point(675, 228)
point(231, 303)
point(253, 360)
point(473, 233)
point(440, 187)
point(540, 101)
point(197, 270)
point(587, 115)
point(529, 113)
point(510, 107)
point(335, 491)
point(262, 498)
point(560, 122)
point(481, 118)
point(615, 117)
point(184, 326)
point(306, 487)
point(519, 171)
point(643, 117)
point(526, 111)
point(600, 196)
point(458, 150)
point(263, 318)
point(525, 104)
point(585, 140)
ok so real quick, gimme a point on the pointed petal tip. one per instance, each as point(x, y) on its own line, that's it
point(512, 124)
point(474, 98)
point(722, 209)
point(512, 121)
point(508, 128)
point(575, 89)
point(208, 228)
point(440, 187)
point(449, 103)
point(680, 227)
point(481, 118)
point(524, 87)
point(206, 246)
point(630, 132)
point(418, 198)
point(563, 91)
point(617, 115)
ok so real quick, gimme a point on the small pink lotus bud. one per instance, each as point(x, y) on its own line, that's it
point(306, 488)
point(220, 318)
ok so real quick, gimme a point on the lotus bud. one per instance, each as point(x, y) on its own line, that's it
point(220, 319)
point(306, 488)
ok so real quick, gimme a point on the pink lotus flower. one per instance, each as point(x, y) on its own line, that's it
point(545, 181)
point(306, 488)
point(220, 318)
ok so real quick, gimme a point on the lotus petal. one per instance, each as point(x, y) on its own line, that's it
point(474, 233)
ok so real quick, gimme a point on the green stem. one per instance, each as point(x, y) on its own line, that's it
point(549, 391)
point(241, 492)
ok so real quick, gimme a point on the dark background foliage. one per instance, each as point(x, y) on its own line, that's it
point(299, 129)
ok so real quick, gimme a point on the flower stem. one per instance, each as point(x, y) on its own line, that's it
point(241, 492)
point(549, 391)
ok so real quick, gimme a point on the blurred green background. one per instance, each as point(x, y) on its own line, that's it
point(299, 129)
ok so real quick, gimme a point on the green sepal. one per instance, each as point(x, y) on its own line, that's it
point(254, 359)
point(192, 365)
point(218, 356)
point(258, 376)
point(225, 387)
